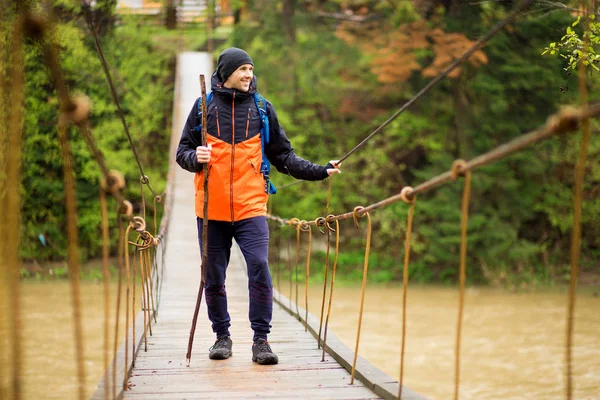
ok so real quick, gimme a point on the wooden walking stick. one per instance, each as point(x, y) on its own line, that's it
point(204, 226)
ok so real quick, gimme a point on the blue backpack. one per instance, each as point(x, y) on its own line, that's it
point(265, 165)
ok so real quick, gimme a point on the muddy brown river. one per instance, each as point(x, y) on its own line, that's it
point(513, 344)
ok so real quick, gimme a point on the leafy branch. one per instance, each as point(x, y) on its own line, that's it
point(576, 49)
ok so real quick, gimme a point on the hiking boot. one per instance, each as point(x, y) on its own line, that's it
point(221, 350)
point(262, 353)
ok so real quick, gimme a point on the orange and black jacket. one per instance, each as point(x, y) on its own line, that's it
point(236, 186)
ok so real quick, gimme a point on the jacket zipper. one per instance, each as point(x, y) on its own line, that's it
point(218, 126)
point(247, 123)
point(232, 157)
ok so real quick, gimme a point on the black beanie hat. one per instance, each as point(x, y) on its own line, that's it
point(229, 60)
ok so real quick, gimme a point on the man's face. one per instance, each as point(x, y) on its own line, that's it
point(241, 78)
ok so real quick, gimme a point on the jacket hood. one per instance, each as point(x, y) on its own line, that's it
point(217, 86)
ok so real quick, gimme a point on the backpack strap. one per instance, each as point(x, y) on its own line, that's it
point(265, 165)
point(199, 110)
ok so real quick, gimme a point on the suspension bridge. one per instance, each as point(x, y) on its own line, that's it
point(161, 372)
point(149, 363)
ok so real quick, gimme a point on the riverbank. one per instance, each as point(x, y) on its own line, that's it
point(91, 271)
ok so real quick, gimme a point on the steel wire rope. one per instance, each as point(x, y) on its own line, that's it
point(307, 228)
point(106, 286)
point(86, 7)
point(145, 302)
point(147, 283)
point(148, 241)
point(575, 249)
point(11, 215)
point(120, 256)
point(125, 245)
point(298, 227)
point(134, 273)
point(407, 246)
point(363, 287)
point(458, 170)
point(326, 272)
point(149, 263)
point(155, 260)
point(278, 263)
point(73, 247)
point(333, 270)
point(491, 33)
point(160, 248)
point(563, 121)
point(289, 266)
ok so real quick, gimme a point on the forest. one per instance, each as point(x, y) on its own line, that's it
point(335, 70)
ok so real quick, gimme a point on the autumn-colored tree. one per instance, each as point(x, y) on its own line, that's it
point(397, 53)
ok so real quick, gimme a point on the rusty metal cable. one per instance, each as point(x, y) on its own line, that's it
point(576, 230)
point(120, 251)
point(154, 215)
point(289, 265)
point(364, 284)
point(297, 261)
point(145, 307)
point(90, 22)
point(133, 335)
point(458, 169)
point(482, 41)
point(278, 263)
point(148, 284)
point(11, 211)
point(149, 263)
point(142, 197)
point(127, 285)
point(106, 286)
point(4, 137)
point(296, 182)
point(73, 251)
point(407, 246)
point(563, 121)
point(333, 270)
point(325, 273)
point(329, 194)
point(308, 229)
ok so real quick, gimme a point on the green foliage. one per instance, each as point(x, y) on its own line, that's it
point(578, 47)
point(520, 210)
point(328, 101)
point(143, 79)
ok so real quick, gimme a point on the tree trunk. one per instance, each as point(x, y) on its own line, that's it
point(288, 19)
point(238, 11)
point(209, 24)
point(462, 149)
point(171, 17)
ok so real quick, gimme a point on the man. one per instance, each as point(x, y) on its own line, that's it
point(236, 193)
